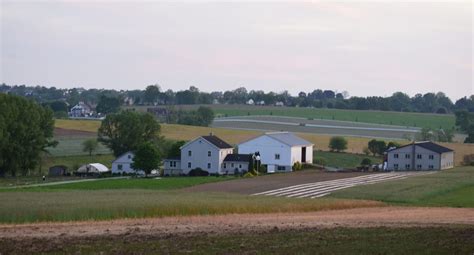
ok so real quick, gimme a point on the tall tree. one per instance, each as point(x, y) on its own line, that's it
point(90, 145)
point(147, 158)
point(108, 105)
point(125, 131)
point(26, 130)
point(152, 93)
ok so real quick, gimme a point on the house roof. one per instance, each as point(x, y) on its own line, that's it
point(288, 138)
point(123, 154)
point(427, 145)
point(219, 143)
point(238, 157)
point(173, 158)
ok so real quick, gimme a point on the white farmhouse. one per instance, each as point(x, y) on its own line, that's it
point(205, 152)
point(279, 150)
point(122, 164)
point(419, 156)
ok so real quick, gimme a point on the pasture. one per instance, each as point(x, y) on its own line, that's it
point(452, 187)
point(407, 119)
point(344, 160)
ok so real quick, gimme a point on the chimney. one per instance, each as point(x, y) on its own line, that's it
point(210, 134)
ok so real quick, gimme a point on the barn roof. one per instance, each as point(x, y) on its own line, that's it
point(288, 138)
point(427, 145)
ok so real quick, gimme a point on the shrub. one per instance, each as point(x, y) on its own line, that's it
point(366, 162)
point(198, 172)
point(296, 166)
point(468, 160)
point(248, 175)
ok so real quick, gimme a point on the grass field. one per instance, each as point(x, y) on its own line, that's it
point(344, 160)
point(71, 205)
point(445, 121)
point(433, 240)
point(453, 187)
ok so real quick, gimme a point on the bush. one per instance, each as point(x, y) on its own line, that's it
point(320, 161)
point(296, 166)
point(338, 143)
point(468, 160)
point(248, 175)
point(366, 162)
point(198, 172)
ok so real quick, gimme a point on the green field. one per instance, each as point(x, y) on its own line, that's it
point(445, 121)
point(72, 146)
point(344, 160)
point(453, 187)
point(432, 240)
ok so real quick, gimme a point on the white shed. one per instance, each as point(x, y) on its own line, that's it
point(279, 150)
point(93, 168)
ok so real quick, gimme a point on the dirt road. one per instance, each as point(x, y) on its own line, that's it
point(353, 218)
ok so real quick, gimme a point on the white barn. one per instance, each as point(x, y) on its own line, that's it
point(279, 150)
point(419, 156)
point(205, 152)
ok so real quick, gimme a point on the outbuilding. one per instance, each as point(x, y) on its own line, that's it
point(279, 150)
point(172, 166)
point(236, 163)
point(419, 156)
point(123, 164)
point(92, 169)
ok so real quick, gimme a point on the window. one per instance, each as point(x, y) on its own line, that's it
point(431, 156)
point(190, 153)
point(407, 166)
point(119, 166)
point(189, 164)
point(281, 168)
point(418, 167)
point(407, 155)
point(225, 165)
point(232, 165)
point(277, 156)
point(208, 153)
point(240, 166)
point(395, 166)
point(172, 163)
point(208, 165)
point(418, 156)
point(430, 166)
point(395, 155)
point(129, 156)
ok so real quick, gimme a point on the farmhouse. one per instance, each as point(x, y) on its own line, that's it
point(205, 152)
point(123, 164)
point(279, 150)
point(80, 110)
point(236, 163)
point(419, 156)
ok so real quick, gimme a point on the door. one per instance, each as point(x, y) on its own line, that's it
point(303, 154)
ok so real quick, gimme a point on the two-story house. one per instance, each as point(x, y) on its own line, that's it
point(419, 156)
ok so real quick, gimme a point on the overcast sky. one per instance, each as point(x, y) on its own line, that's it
point(365, 48)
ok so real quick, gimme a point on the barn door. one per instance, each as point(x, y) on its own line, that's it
point(303, 154)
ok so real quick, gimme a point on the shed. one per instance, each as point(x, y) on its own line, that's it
point(57, 170)
point(92, 169)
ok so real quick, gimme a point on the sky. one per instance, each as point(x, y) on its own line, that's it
point(366, 48)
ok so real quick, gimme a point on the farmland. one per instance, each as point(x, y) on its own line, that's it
point(454, 187)
point(344, 160)
point(406, 119)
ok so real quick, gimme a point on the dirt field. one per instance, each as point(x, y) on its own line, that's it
point(353, 218)
point(269, 182)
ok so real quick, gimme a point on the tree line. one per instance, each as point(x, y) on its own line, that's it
point(110, 100)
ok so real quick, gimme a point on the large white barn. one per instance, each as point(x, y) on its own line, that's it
point(279, 150)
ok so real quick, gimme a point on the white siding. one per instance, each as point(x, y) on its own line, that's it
point(231, 166)
point(199, 156)
point(172, 167)
point(420, 159)
point(268, 148)
point(447, 160)
point(124, 162)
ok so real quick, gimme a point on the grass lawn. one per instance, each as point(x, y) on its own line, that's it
point(433, 240)
point(453, 187)
point(74, 162)
point(344, 160)
point(71, 205)
point(445, 121)
point(72, 146)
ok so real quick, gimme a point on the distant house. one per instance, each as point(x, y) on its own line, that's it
point(58, 170)
point(80, 110)
point(128, 101)
point(236, 163)
point(205, 152)
point(92, 169)
point(279, 103)
point(123, 164)
point(279, 150)
point(419, 156)
point(250, 102)
point(172, 166)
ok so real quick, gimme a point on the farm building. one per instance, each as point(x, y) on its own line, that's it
point(123, 164)
point(80, 110)
point(172, 166)
point(279, 150)
point(92, 169)
point(419, 156)
point(58, 170)
point(205, 152)
point(236, 163)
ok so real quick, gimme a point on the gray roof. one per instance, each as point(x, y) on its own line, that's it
point(288, 139)
point(427, 145)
